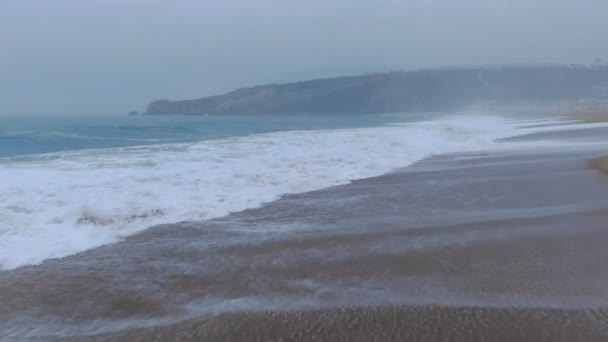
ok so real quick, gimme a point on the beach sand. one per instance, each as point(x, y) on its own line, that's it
point(591, 117)
point(399, 323)
point(600, 164)
point(476, 247)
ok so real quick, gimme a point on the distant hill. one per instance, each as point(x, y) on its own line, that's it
point(411, 91)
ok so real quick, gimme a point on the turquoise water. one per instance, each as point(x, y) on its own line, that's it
point(20, 136)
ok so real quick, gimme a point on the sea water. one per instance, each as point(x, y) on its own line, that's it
point(71, 184)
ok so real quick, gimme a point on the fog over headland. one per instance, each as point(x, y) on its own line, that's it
point(108, 56)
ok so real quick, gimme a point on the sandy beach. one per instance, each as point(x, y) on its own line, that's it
point(591, 117)
point(401, 323)
point(295, 171)
point(600, 164)
point(474, 247)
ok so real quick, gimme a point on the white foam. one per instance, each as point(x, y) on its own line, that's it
point(55, 205)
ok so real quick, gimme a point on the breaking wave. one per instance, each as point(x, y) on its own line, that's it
point(54, 205)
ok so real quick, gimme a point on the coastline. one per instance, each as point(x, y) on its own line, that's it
point(469, 246)
point(388, 323)
point(600, 164)
point(591, 117)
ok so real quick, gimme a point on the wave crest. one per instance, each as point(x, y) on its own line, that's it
point(53, 207)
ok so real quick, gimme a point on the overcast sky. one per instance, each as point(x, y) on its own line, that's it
point(111, 56)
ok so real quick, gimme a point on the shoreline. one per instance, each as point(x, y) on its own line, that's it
point(153, 191)
point(600, 164)
point(401, 254)
point(591, 117)
point(387, 323)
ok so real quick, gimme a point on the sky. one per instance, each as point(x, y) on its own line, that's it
point(85, 57)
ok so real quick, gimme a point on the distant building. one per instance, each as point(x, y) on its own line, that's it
point(133, 113)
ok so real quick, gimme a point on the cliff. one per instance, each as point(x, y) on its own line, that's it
point(423, 90)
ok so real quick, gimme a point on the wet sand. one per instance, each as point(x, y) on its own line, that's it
point(600, 164)
point(591, 117)
point(389, 323)
point(461, 248)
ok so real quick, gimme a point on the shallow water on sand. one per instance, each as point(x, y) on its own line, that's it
point(497, 230)
point(57, 204)
point(504, 228)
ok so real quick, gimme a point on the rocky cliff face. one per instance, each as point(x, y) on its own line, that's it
point(423, 90)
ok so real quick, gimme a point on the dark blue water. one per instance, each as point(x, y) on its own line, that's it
point(20, 136)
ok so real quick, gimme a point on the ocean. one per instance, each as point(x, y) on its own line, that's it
point(47, 134)
point(343, 228)
point(71, 184)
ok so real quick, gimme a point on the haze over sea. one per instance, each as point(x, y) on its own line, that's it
point(349, 170)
